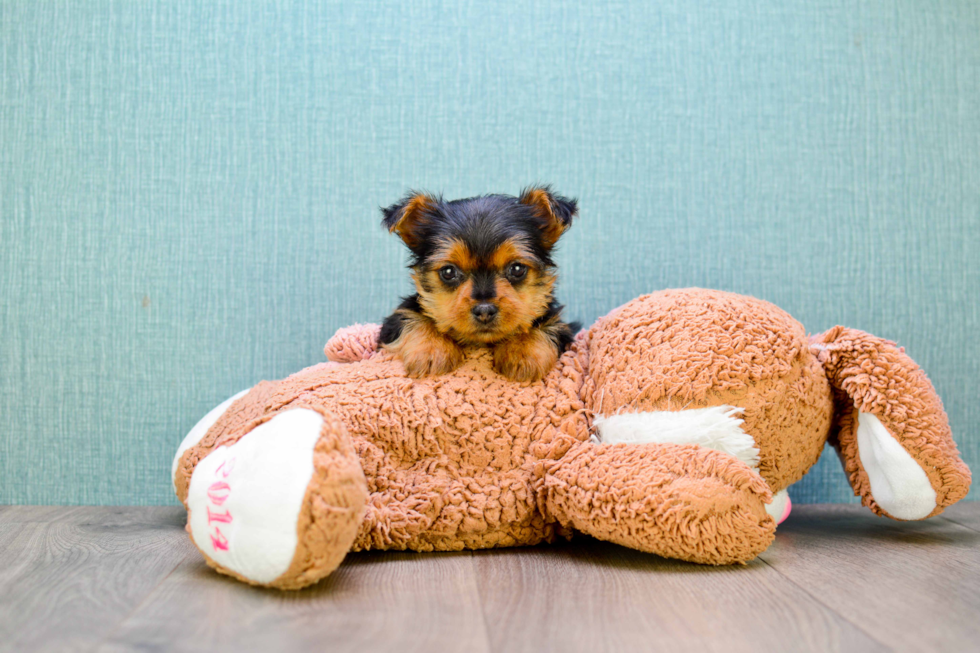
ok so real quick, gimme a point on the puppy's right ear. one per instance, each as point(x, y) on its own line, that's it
point(406, 217)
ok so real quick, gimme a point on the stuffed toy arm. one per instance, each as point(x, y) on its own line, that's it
point(678, 501)
point(354, 343)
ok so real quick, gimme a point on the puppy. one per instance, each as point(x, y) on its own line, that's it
point(484, 276)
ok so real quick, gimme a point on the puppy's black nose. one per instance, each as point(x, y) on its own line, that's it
point(485, 312)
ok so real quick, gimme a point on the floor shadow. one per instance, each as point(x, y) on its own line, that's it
point(879, 530)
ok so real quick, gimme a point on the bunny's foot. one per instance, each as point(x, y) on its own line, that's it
point(280, 506)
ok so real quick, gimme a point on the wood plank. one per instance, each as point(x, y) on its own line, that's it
point(8, 533)
point(911, 585)
point(965, 513)
point(154, 517)
point(594, 596)
point(373, 602)
point(837, 578)
point(78, 514)
point(66, 585)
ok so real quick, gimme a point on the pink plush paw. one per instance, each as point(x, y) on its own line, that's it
point(786, 511)
point(780, 507)
point(353, 343)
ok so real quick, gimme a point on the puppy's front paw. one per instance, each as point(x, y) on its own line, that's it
point(425, 352)
point(527, 357)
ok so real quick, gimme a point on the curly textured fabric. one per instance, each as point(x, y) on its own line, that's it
point(873, 375)
point(330, 514)
point(679, 501)
point(353, 343)
point(681, 349)
point(472, 460)
point(447, 458)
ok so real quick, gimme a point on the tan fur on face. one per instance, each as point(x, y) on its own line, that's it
point(455, 252)
point(423, 350)
point(540, 201)
point(520, 306)
point(413, 215)
point(510, 252)
point(451, 309)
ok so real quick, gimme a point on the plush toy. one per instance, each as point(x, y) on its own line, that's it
point(668, 427)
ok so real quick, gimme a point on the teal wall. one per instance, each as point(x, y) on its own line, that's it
point(189, 190)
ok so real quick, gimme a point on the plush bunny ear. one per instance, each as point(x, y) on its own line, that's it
point(405, 217)
point(554, 211)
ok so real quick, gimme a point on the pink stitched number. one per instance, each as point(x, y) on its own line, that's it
point(223, 470)
point(218, 493)
point(223, 517)
point(219, 541)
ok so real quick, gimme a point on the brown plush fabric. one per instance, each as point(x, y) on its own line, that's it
point(873, 375)
point(681, 349)
point(678, 501)
point(333, 508)
point(331, 513)
point(472, 460)
point(447, 458)
point(353, 343)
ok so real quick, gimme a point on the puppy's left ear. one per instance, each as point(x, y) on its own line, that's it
point(408, 216)
point(554, 212)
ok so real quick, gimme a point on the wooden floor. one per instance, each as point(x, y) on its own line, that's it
point(837, 578)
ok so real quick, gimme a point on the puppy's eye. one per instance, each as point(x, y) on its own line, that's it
point(449, 274)
point(516, 271)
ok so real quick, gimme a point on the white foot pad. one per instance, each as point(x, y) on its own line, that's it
point(245, 499)
point(898, 484)
point(200, 429)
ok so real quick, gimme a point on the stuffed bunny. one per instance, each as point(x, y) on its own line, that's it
point(668, 427)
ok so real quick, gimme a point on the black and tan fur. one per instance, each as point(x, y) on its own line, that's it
point(483, 276)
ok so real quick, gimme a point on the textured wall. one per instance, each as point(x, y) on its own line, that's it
point(189, 190)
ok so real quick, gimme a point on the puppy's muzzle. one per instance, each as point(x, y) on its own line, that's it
point(485, 312)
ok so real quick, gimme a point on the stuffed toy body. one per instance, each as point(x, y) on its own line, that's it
point(669, 426)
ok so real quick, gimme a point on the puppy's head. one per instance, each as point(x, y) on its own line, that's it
point(482, 266)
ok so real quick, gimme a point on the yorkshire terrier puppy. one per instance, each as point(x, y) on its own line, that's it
point(483, 276)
